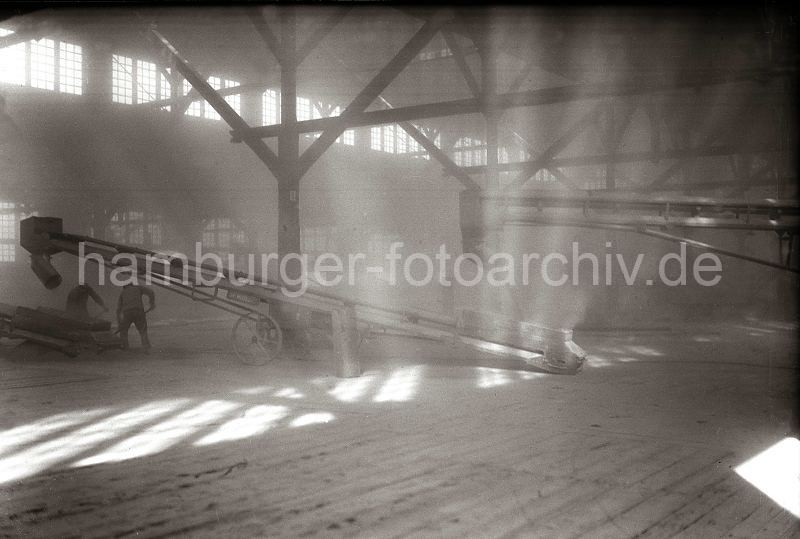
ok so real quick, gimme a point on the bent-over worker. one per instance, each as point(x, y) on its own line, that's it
point(78, 301)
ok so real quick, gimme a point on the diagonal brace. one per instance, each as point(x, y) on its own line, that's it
point(371, 91)
point(219, 104)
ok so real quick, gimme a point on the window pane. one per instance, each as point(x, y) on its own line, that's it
point(209, 112)
point(270, 108)
point(121, 79)
point(43, 64)
point(146, 89)
point(12, 61)
point(233, 100)
point(70, 73)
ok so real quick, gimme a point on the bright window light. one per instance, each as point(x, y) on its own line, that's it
point(163, 435)
point(209, 112)
point(43, 64)
point(12, 61)
point(388, 138)
point(402, 140)
point(121, 79)
point(146, 82)
point(164, 88)
point(196, 107)
point(8, 252)
point(253, 422)
point(303, 109)
point(8, 226)
point(375, 138)
point(349, 137)
point(312, 419)
point(776, 473)
point(270, 108)
point(70, 71)
point(235, 100)
point(401, 385)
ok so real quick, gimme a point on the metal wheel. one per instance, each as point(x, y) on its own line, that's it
point(256, 339)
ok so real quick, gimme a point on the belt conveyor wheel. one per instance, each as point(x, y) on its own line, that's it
point(256, 339)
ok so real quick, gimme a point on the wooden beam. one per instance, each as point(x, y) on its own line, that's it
point(627, 157)
point(219, 104)
point(373, 89)
point(262, 28)
point(443, 159)
point(547, 156)
point(529, 98)
point(321, 33)
point(461, 62)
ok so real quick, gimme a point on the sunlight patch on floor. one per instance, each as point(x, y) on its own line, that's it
point(288, 393)
point(776, 472)
point(490, 377)
point(12, 438)
point(163, 435)
point(252, 422)
point(352, 389)
point(44, 455)
point(257, 390)
point(401, 385)
point(312, 419)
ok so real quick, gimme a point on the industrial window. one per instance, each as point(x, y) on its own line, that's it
point(375, 138)
point(303, 108)
point(469, 152)
point(146, 82)
point(195, 108)
point(203, 109)
point(70, 72)
point(47, 64)
point(436, 49)
point(209, 112)
point(8, 232)
point(134, 228)
point(545, 176)
point(271, 107)
point(402, 140)
point(234, 100)
point(165, 88)
point(222, 236)
point(348, 138)
point(43, 64)
point(417, 151)
point(388, 138)
point(12, 61)
point(121, 79)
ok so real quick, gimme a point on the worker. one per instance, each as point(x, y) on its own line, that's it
point(130, 310)
point(78, 301)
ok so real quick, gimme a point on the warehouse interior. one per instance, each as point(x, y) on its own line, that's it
point(636, 377)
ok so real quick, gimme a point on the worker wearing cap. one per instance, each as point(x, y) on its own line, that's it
point(130, 310)
point(78, 301)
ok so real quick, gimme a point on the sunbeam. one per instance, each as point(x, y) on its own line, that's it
point(46, 454)
point(401, 385)
point(164, 434)
point(252, 422)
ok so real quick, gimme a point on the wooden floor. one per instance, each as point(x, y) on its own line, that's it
point(429, 442)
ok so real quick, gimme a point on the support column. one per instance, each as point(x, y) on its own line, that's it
point(288, 146)
point(345, 342)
